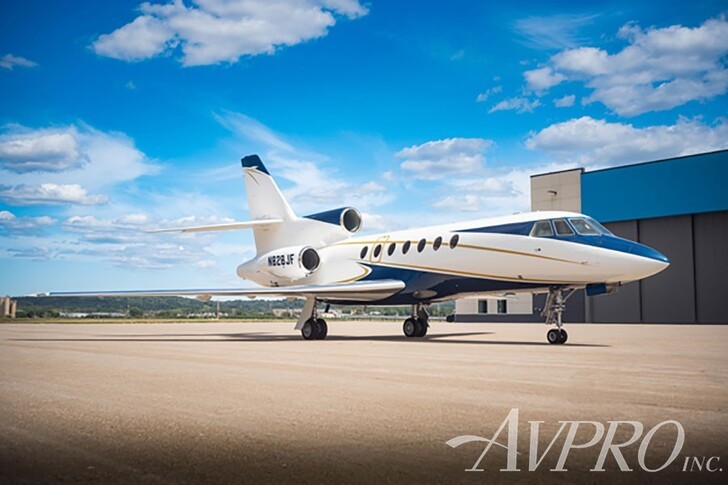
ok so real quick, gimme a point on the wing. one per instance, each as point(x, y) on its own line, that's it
point(359, 290)
point(230, 226)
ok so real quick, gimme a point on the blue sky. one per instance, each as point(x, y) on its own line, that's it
point(118, 117)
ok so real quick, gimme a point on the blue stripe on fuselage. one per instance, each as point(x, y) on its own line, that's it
point(616, 243)
point(442, 284)
point(605, 241)
point(518, 228)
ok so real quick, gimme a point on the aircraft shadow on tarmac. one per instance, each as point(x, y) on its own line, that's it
point(442, 338)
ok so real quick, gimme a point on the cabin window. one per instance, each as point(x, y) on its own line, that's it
point(583, 227)
point(377, 250)
point(482, 306)
point(421, 245)
point(562, 227)
point(542, 229)
point(454, 241)
point(502, 306)
point(363, 253)
point(392, 247)
point(437, 243)
point(406, 246)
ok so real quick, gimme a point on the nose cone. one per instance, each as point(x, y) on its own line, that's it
point(652, 261)
point(650, 253)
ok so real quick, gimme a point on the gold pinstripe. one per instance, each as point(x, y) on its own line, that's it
point(469, 246)
point(366, 269)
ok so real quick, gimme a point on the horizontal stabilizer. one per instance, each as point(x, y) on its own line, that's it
point(358, 290)
point(230, 226)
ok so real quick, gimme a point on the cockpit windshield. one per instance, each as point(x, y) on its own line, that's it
point(584, 226)
point(601, 228)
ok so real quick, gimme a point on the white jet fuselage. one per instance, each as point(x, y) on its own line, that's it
point(486, 255)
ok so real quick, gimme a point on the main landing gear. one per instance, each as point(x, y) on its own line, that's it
point(417, 324)
point(553, 310)
point(314, 328)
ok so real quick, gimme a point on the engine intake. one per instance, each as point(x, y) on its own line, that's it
point(309, 259)
point(291, 263)
point(346, 217)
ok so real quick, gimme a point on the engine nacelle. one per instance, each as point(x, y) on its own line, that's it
point(291, 263)
point(346, 217)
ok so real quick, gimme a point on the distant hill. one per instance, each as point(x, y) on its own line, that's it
point(175, 306)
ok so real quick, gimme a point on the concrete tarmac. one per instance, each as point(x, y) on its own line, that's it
point(253, 402)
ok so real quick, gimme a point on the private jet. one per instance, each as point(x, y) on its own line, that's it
point(319, 258)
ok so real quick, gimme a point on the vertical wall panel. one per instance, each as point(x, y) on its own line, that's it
point(624, 306)
point(669, 296)
point(711, 266)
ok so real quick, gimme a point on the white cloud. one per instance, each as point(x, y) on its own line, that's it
point(543, 78)
point(441, 158)
point(659, 69)
point(11, 225)
point(9, 61)
point(552, 32)
point(47, 151)
point(123, 241)
point(63, 164)
point(488, 93)
point(592, 142)
point(215, 31)
point(487, 187)
point(49, 194)
point(460, 203)
point(565, 102)
point(519, 105)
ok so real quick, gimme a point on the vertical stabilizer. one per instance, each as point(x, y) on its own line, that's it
point(265, 200)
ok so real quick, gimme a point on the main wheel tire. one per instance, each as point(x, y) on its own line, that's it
point(421, 328)
point(321, 329)
point(410, 328)
point(553, 336)
point(309, 329)
point(564, 336)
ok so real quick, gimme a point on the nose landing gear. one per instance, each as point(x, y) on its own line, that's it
point(417, 324)
point(553, 310)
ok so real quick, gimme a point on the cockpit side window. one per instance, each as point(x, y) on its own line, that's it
point(562, 227)
point(542, 229)
point(584, 227)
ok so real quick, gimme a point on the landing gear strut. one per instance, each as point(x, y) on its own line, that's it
point(553, 310)
point(314, 328)
point(417, 324)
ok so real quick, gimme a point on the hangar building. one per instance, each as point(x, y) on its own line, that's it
point(678, 206)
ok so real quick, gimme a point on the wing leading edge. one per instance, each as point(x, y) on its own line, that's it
point(359, 290)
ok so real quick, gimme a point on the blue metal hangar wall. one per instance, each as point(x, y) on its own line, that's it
point(678, 206)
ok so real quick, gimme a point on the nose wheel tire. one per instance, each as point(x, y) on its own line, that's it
point(557, 336)
point(315, 329)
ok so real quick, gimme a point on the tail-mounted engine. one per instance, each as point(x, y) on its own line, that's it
point(346, 217)
point(291, 263)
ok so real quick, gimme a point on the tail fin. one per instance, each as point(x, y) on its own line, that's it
point(265, 200)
